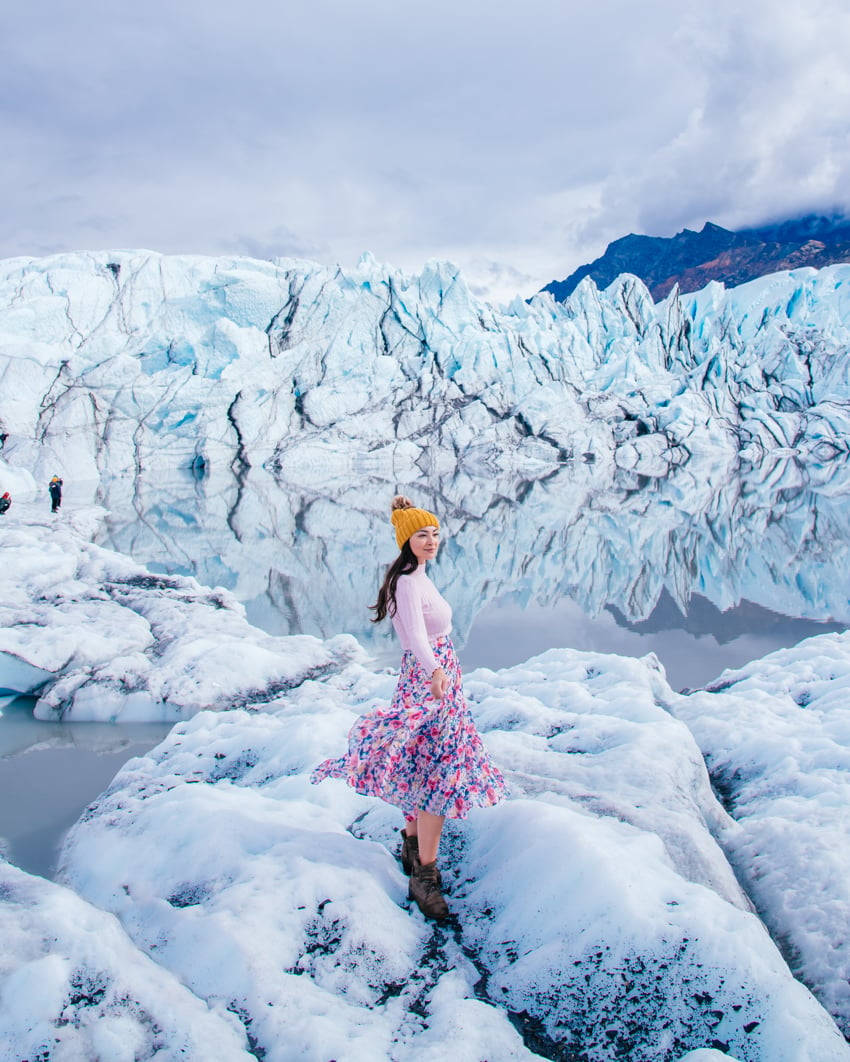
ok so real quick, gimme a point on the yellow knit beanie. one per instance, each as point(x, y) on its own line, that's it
point(407, 518)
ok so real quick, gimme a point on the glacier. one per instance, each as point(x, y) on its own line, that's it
point(125, 361)
point(707, 433)
point(776, 736)
point(663, 882)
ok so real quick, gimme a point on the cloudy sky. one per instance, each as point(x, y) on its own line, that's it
point(515, 139)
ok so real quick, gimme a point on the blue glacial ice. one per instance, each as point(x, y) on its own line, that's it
point(217, 896)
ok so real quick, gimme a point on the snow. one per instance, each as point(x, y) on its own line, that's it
point(15, 480)
point(286, 916)
point(592, 916)
point(776, 736)
point(73, 987)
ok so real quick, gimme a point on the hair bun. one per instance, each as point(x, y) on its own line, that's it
point(401, 502)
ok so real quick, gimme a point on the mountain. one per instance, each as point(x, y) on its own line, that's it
point(692, 259)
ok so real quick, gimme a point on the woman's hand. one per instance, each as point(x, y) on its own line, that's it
point(439, 684)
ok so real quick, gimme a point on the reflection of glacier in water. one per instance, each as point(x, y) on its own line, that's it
point(705, 568)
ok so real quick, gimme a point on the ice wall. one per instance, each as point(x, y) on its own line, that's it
point(132, 361)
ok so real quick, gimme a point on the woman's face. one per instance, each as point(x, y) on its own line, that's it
point(425, 542)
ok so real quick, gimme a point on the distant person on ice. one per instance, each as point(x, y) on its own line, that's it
point(5, 502)
point(55, 488)
point(423, 754)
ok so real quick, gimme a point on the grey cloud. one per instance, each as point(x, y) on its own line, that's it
point(523, 136)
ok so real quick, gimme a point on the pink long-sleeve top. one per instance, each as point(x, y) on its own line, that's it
point(421, 615)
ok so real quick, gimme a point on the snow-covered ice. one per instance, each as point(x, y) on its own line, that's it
point(594, 906)
point(776, 736)
point(74, 987)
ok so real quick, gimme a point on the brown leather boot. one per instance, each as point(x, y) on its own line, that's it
point(409, 852)
point(410, 855)
point(424, 889)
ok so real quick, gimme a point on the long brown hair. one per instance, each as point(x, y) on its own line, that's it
point(404, 564)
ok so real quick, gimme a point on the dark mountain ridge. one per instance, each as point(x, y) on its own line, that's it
point(691, 259)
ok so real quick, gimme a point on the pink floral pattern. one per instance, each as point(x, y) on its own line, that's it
point(420, 754)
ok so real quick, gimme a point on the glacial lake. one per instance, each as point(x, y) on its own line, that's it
point(50, 772)
point(706, 576)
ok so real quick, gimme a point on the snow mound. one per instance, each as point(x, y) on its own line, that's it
point(776, 737)
point(73, 986)
point(593, 910)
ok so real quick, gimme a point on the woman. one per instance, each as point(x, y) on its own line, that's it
point(423, 754)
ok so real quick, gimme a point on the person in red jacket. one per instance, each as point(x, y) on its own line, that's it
point(5, 502)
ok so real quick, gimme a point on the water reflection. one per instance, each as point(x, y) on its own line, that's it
point(709, 552)
point(694, 648)
point(50, 772)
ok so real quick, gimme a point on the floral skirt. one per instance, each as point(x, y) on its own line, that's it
point(420, 754)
